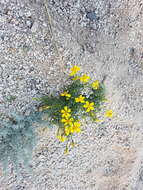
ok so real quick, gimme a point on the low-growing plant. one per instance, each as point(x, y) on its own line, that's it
point(17, 140)
point(81, 98)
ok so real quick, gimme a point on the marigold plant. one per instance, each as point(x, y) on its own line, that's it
point(81, 98)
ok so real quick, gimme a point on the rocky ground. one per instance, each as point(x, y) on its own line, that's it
point(106, 39)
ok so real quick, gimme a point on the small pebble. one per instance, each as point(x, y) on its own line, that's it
point(92, 16)
point(34, 27)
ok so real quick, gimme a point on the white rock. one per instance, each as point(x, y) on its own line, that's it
point(2, 19)
point(35, 27)
point(21, 13)
point(28, 14)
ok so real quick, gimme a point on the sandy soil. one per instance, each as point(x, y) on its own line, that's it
point(106, 39)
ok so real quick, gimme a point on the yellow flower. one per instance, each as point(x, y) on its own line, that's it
point(66, 112)
point(61, 138)
point(73, 128)
point(80, 99)
point(66, 95)
point(74, 70)
point(89, 106)
point(76, 127)
point(95, 85)
point(84, 78)
point(109, 113)
point(67, 121)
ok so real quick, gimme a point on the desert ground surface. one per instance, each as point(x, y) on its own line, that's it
point(103, 37)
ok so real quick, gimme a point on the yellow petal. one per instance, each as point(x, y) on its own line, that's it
point(92, 103)
point(109, 113)
point(92, 108)
point(63, 120)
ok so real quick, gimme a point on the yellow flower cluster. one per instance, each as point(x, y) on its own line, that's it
point(69, 124)
point(88, 105)
point(73, 128)
point(73, 71)
point(84, 78)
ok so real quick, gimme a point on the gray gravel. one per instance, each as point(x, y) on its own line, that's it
point(105, 38)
